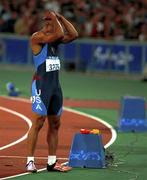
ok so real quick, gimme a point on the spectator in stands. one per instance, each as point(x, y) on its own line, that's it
point(8, 26)
point(34, 25)
point(143, 32)
point(107, 19)
point(22, 25)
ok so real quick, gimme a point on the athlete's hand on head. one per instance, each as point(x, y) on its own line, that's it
point(52, 14)
point(49, 15)
point(59, 16)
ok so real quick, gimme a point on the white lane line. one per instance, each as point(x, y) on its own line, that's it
point(24, 157)
point(113, 131)
point(22, 117)
point(22, 174)
point(114, 134)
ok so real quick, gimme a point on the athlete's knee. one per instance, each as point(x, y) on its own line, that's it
point(38, 122)
point(54, 123)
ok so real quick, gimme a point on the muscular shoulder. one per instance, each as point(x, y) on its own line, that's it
point(37, 36)
point(36, 44)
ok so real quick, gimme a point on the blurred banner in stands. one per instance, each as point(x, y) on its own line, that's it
point(92, 55)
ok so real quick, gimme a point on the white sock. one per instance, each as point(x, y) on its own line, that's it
point(30, 158)
point(51, 160)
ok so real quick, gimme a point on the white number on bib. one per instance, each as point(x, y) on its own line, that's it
point(52, 64)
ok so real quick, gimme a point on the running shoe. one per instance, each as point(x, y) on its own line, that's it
point(58, 167)
point(30, 167)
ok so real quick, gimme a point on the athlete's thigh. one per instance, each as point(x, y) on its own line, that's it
point(56, 104)
point(40, 98)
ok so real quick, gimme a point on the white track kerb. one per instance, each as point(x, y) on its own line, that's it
point(113, 132)
point(23, 118)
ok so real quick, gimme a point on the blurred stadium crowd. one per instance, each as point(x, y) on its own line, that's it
point(106, 19)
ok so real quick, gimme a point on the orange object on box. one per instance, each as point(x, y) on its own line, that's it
point(95, 131)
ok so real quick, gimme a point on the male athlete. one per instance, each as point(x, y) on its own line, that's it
point(46, 90)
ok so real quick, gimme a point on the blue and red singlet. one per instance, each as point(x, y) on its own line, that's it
point(46, 90)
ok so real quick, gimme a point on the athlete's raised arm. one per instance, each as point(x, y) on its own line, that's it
point(51, 31)
point(70, 32)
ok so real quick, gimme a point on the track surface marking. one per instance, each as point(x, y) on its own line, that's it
point(72, 122)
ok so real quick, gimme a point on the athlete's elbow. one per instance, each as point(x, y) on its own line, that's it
point(60, 35)
point(74, 35)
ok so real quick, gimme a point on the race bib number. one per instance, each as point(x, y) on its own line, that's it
point(52, 64)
